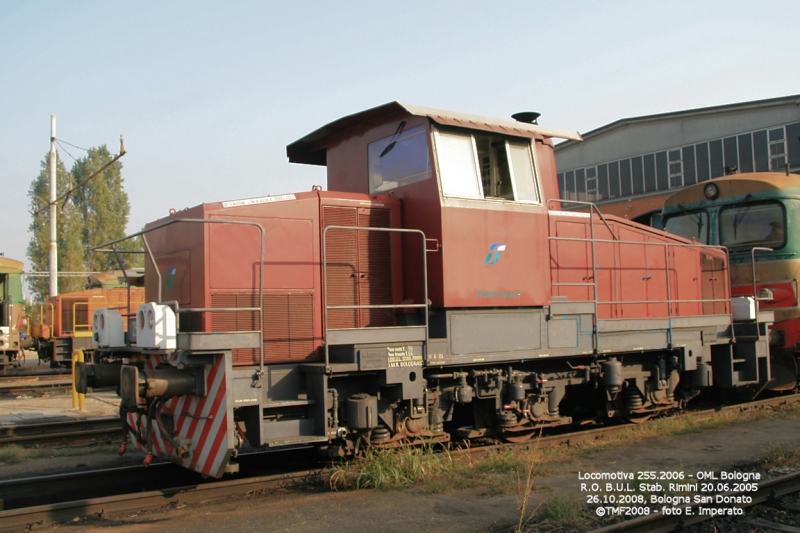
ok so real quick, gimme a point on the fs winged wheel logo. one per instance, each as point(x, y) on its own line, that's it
point(494, 253)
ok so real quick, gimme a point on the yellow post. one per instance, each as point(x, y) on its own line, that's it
point(77, 399)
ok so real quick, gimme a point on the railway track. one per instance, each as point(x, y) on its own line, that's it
point(32, 502)
point(768, 490)
point(70, 432)
point(34, 384)
point(51, 499)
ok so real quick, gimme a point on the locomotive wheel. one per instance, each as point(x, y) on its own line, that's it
point(638, 418)
point(521, 432)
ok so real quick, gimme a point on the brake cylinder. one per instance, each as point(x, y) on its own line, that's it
point(612, 375)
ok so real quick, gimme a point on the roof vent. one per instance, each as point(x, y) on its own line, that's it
point(529, 117)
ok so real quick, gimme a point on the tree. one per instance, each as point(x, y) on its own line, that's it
point(95, 212)
point(68, 232)
point(104, 209)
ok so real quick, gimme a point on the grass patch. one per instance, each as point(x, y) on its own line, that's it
point(779, 456)
point(12, 454)
point(568, 511)
point(388, 469)
point(515, 472)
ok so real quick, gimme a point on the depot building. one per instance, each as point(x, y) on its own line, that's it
point(630, 166)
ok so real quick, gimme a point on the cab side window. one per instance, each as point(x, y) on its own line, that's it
point(485, 165)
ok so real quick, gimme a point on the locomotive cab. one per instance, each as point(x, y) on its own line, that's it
point(475, 186)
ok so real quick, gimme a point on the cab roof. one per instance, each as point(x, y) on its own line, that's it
point(9, 266)
point(311, 149)
point(737, 185)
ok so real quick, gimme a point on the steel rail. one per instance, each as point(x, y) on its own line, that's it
point(660, 523)
point(16, 519)
point(52, 376)
point(30, 492)
point(35, 388)
point(78, 430)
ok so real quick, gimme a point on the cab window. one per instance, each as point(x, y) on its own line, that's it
point(399, 159)
point(751, 225)
point(483, 165)
point(690, 225)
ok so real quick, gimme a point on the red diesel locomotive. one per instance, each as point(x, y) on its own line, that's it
point(434, 291)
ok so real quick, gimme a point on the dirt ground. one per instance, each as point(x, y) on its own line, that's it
point(414, 510)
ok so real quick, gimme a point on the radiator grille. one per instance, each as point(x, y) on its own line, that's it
point(341, 257)
point(358, 266)
point(70, 311)
point(288, 325)
point(375, 266)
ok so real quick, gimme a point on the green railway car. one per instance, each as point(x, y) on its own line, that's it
point(12, 308)
point(756, 216)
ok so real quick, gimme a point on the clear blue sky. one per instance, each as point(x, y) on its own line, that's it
point(208, 94)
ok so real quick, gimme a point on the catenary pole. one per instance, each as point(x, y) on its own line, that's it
point(53, 246)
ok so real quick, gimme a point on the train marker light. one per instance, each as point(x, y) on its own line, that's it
point(766, 295)
point(711, 191)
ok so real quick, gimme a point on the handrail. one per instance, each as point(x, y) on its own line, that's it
point(753, 265)
point(670, 301)
point(592, 207)
point(326, 307)
point(149, 252)
point(75, 324)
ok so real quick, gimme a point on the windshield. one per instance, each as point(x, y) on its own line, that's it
point(753, 225)
point(689, 225)
point(399, 159)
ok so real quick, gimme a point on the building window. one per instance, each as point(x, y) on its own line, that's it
point(745, 153)
point(761, 149)
point(637, 172)
point(662, 172)
point(591, 184)
point(703, 163)
point(717, 160)
point(675, 169)
point(580, 178)
point(569, 184)
point(731, 156)
point(777, 150)
point(625, 177)
point(689, 173)
point(602, 181)
point(793, 146)
point(613, 179)
point(649, 173)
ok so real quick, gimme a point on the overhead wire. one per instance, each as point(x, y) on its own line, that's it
point(65, 150)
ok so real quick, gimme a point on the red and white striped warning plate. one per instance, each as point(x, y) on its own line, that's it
point(202, 426)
